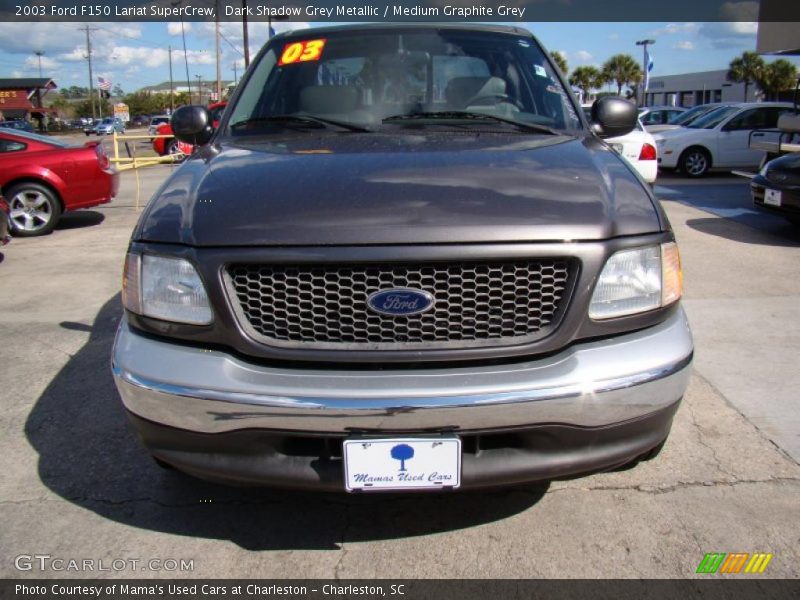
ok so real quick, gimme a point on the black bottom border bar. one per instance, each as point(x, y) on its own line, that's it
point(709, 588)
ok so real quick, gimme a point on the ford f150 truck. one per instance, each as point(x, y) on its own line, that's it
point(404, 260)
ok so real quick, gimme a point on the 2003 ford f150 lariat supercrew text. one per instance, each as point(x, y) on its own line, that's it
point(403, 260)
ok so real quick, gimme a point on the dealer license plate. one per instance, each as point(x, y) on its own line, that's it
point(402, 463)
point(772, 197)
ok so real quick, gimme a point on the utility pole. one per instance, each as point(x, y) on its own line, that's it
point(88, 30)
point(185, 56)
point(645, 72)
point(235, 76)
point(171, 85)
point(39, 54)
point(245, 35)
point(219, 66)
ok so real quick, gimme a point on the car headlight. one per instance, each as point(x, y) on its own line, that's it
point(165, 288)
point(638, 280)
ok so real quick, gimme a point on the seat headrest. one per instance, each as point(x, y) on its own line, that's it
point(460, 90)
point(329, 99)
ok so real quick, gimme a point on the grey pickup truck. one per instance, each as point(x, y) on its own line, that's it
point(404, 260)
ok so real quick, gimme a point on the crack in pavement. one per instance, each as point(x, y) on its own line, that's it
point(700, 440)
point(664, 489)
point(342, 544)
point(758, 430)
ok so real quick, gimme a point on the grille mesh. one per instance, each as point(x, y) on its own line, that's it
point(476, 304)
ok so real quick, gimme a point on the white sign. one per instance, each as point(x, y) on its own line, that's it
point(122, 112)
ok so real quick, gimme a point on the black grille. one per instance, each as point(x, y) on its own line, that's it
point(475, 304)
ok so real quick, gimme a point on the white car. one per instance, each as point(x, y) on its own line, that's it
point(720, 139)
point(155, 122)
point(637, 147)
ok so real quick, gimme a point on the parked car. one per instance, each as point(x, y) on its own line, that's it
point(140, 121)
point(17, 125)
point(776, 188)
point(44, 177)
point(5, 226)
point(719, 139)
point(91, 128)
point(637, 147)
point(155, 122)
point(404, 260)
point(685, 118)
point(164, 146)
point(109, 125)
point(659, 115)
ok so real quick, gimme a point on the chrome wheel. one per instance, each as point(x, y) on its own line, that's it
point(695, 163)
point(34, 209)
point(31, 211)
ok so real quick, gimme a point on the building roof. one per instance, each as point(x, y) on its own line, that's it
point(29, 83)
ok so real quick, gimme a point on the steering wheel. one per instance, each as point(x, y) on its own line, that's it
point(498, 97)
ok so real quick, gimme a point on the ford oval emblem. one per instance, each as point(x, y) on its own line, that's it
point(400, 302)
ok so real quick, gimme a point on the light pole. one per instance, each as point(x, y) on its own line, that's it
point(645, 72)
point(39, 54)
point(199, 89)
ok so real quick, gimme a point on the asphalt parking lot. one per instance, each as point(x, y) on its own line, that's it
point(75, 484)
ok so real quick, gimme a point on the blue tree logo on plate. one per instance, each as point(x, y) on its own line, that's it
point(402, 452)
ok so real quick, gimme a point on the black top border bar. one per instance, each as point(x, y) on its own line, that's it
point(401, 10)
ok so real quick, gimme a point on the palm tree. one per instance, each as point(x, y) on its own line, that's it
point(586, 78)
point(561, 61)
point(746, 69)
point(623, 70)
point(777, 77)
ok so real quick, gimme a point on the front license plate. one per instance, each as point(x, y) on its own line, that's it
point(772, 197)
point(402, 463)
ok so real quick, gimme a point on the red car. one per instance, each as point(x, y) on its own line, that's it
point(4, 210)
point(43, 177)
point(164, 146)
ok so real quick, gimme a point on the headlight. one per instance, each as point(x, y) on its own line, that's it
point(638, 280)
point(165, 288)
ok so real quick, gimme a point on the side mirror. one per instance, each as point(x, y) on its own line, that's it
point(613, 116)
point(192, 125)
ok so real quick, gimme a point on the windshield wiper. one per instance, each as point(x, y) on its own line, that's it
point(467, 115)
point(302, 120)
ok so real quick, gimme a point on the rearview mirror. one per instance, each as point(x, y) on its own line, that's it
point(192, 125)
point(613, 116)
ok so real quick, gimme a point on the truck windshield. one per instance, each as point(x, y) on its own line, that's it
point(369, 78)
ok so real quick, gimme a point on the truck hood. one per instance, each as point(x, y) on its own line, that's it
point(415, 188)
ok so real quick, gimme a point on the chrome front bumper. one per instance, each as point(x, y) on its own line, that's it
point(587, 385)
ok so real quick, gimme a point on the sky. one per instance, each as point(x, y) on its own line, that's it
point(134, 55)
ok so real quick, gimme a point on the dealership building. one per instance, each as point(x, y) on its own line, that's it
point(691, 89)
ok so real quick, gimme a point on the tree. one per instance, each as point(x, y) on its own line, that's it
point(622, 69)
point(561, 61)
point(746, 69)
point(777, 77)
point(586, 78)
point(84, 108)
point(402, 452)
